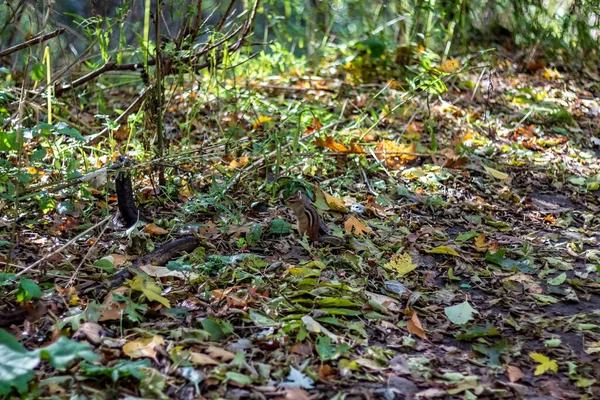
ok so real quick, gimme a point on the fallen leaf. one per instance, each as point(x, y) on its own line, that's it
point(153, 229)
point(304, 349)
point(295, 393)
point(395, 154)
point(145, 347)
point(545, 363)
point(160, 272)
point(353, 224)
point(111, 309)
point(461, 313)
point(413, 325)
point(400, 263)
point(335, 203)
point(374, 208)
point(514, 373)
point(202, 359)
point(315, 126)
point(220, 353)
point(443, 250)
point(313, 326)
point(496, 174)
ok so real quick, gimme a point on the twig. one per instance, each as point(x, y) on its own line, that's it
point(61, 248)
point(36, 40)
point(366, 179)
point(95, 139)
point(74, 276)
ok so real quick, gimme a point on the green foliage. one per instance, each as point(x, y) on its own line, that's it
point(17, 363)
point(27, 290)
point(122, 369)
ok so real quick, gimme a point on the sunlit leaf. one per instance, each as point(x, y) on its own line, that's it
point(545, 363)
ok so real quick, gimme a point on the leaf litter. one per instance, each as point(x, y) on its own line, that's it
point(470, 266)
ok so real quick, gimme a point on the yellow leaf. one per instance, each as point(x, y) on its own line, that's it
point(149, 289)
point(551, 74)
point(496, 174)
point(143, 347)
point(545, 363)
point(238, 163)
point(335, 203)
point(444, 250)
point(401, 263)
point(260, 122)
point(353, 224)
point(154, 229)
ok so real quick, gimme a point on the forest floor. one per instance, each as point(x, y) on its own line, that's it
point(471, 267)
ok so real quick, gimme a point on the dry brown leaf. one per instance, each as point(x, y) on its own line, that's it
point(353, 224)
point(295, 393)
point(153, 229)
point(118, 259)
point(90, 331)
point(375, 208)
point(145, 347)
point(413, 325)
point(222, 354)
point(111, 309)
point(325, 372)
point(514, 373)
point(304, 349)
point(202, 359)
point(315, 126)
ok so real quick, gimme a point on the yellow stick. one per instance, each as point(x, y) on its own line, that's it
point(48, 82)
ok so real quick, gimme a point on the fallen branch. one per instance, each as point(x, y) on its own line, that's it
point(31, 42)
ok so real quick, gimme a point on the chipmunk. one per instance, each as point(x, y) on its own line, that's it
point(309, 221)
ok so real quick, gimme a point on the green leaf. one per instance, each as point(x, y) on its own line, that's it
point(498, 259)
point(8, 141)
point(329, 351)
point(558, 280)
point(63, 351)
point(336, 302)
point(106, 264)
point(496, 174)
point(4, 243)
point(39, 154)
point(150, 289)
point(238, 378)
point(280, 227)
point(215, 331)
point(478, 331)
point(37, 72)
point(461, 313)
point(16, 364)
point(28, 290)
point(64, 129)
point(121, 369)
point(463, 237)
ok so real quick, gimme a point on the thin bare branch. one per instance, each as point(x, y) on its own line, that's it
point(36, 40)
